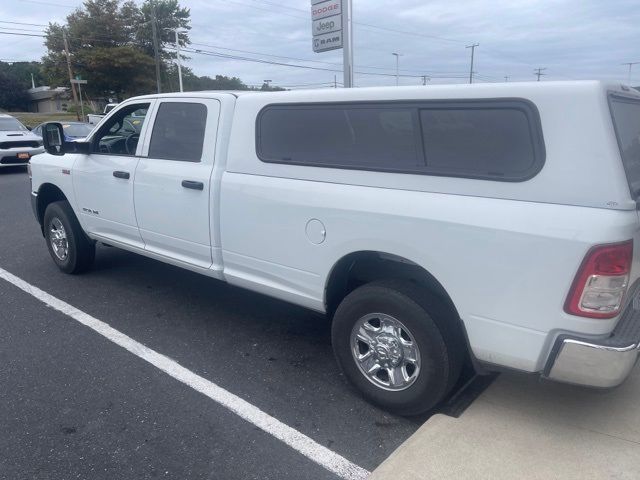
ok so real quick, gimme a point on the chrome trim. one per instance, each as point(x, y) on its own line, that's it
point(583, 363)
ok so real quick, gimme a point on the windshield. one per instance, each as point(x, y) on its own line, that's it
point(8, 124)
point(76, 129)
point(626, 120)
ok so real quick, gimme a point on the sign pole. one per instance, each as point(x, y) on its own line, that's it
point(332, 28)
point(81, 104)
point(347, 49)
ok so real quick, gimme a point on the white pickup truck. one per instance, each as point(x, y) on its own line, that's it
point(491, 224)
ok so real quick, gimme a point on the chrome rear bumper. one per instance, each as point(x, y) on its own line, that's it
point(603, 363)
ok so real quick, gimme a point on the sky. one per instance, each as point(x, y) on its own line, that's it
point(571, 39)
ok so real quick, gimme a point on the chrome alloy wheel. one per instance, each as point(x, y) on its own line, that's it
point(385, 351)
point(58, 239)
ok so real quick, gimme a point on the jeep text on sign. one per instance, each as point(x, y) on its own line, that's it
point(326, 9)
point(327, 25)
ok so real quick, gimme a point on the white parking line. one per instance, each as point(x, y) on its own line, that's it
point(296, 440)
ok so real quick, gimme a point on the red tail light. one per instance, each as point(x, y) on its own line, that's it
point(601, 282)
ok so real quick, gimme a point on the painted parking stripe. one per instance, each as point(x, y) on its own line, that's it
point(298, 441)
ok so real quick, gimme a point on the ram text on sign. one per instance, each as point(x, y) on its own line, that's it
point(327, 41)
point(326, 9)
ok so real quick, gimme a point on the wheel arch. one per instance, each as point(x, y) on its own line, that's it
point(361, 267)
point(47, 194)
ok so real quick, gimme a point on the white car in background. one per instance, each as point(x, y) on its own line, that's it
point(17, 143)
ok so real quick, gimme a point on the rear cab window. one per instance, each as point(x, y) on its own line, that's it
point(487, 139)
point(626, 121)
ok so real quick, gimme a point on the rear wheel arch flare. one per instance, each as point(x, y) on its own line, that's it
point(357, 268)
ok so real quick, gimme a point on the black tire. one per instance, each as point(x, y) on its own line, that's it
point(433, 328)
point(81, 249)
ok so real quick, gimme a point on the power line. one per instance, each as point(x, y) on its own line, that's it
point(21, 29)
point(294, 65)
point(22, 34)
point(434, 74)
point(363, 24)
point(22, 23)
point(39, 2)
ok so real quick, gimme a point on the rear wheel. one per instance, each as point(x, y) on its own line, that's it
point(397, 343)
point(70, 248)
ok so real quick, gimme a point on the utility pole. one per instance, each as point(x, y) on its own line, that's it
point(156, 48)
point(347, 42)
point(335, 81)
point(73, 87)
point(506, 78)
point(538, 72)
point(473, 49)
point(425, 79)
point(267, 83)
point(397, 55)
point(631, 64)
point(178, 59)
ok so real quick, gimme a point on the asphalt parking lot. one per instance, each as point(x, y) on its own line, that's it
point(76, 405)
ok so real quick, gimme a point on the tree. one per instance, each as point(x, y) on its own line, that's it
point(21, 72)
point(195, 83)
point(13, 96)
point(110, 45)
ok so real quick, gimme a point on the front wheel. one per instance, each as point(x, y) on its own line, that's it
point(70, 248)
point(397, 344)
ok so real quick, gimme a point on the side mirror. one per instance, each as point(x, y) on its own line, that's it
point(55, 144)
point(53, 138)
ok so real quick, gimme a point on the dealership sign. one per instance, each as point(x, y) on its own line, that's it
point(326, 24)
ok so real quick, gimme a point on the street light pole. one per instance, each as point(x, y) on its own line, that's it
point(178, 60)
point(397, 55)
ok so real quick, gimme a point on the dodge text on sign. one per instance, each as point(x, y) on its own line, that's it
point(326, 9)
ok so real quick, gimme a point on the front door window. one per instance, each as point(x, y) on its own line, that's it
point(121, 133)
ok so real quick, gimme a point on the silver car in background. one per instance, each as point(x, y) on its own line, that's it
point(17, 143)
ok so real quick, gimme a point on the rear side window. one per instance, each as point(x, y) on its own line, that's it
point(178, 132)
point(496, 139)
point(345, 136)
point(626, 120)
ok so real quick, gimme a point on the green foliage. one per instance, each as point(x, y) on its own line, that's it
point(195, 83)
point(87, 109)
point(110, 45)
point(21, 72)
point(169, 17)
point(12, 95)
point(15, 79)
